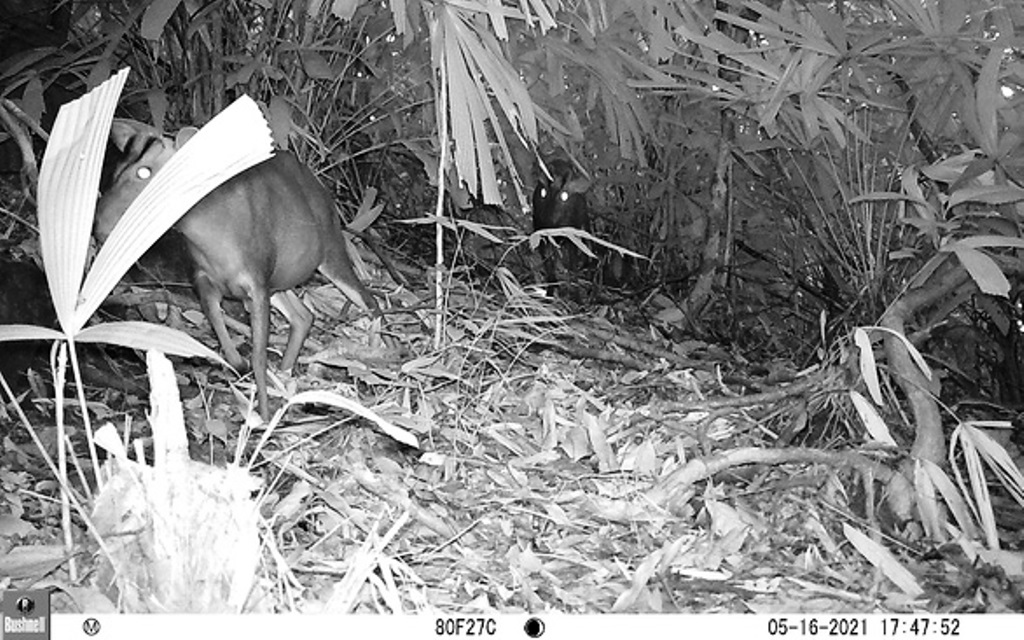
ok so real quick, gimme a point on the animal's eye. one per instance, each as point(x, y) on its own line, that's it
point(563, 196)
point(543, 192)
point(143, 173)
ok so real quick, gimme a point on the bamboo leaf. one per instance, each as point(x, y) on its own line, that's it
point(983, 270)
point(868, 370)
point(883, 559)
point(988, 98)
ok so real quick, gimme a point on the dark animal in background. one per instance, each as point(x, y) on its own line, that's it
point(253, 238)
point(560, 201)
